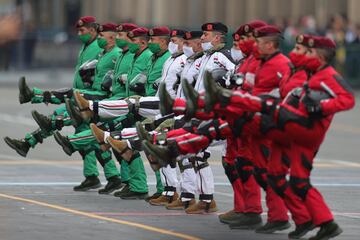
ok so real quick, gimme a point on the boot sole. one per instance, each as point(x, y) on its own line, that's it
point(175, 208)
point(110, 191)
point(303, 233)
point(75, 121)
point(269, 231)
point(334, 234)
point(158, 204)
point(58, 140)
point(134, 198)
point(8, 142)
point(204, 211)
point(228, 221)
point(34, 115)
point(88, 188)
point(247, 227)
point(22, 89)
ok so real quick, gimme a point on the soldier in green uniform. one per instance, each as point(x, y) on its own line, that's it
point(139, 84)
point(87, 27)
point(137, 46)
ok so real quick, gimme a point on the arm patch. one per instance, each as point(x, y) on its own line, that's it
point(341, 81)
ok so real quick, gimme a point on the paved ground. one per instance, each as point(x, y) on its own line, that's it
point(37, 201)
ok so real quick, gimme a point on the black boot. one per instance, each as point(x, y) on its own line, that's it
point(271, 227)
point(20, 146)
point(43, 121)
point(74, 113)
point(249, 221)
point(64, 142)
point(301, 230)
point(25, 93)
point(113, 184)
point(90, 182)
point(123, 190)
point(214, 93)
point(166, 102)
point(191, 99)
point(327, 230)
point(154, 196)
point(164, 154)
point(130, 195)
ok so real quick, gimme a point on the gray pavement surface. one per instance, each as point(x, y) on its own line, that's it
point(37, 201)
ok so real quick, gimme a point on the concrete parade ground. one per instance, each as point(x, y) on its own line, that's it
point(37, 201)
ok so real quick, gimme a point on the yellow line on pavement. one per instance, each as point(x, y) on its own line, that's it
point(94, 216)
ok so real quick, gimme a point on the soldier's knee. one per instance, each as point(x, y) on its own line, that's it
point(278, 183)
point(245, 168)
point(260, 177)
point(300, 186)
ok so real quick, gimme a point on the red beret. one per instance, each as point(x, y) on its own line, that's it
point(159, 31)
point(126, 27)
point(193, 35)
point(215, 26)
point(268, 30)
point(85, 20)
point(138, 32)
point(177, 33)
point(248, 28)
point(107, 27)
point(322, 42)
point(305, 39)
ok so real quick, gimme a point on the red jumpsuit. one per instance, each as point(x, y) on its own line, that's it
point(305, 132)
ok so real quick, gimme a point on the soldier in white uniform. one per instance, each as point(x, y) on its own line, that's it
point(216, 56)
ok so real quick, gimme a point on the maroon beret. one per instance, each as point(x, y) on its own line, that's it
point(177, 33)
point(248, 28)
point(126, 27)
point(305, 39)
point(193, 35)
point(138, 32)
point(159, 31)
point(215, 26)
point(322, 42)
point(107, 27)
point(268, 30)
point(85, 20)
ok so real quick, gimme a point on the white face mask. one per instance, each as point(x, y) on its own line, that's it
point(188, 51)
point(206, 46)
point(173, 48)
point(236, 54)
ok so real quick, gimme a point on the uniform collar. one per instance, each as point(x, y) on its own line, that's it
point(267, 58)
point(215, 49)
point(196, 55)
point(175, 55)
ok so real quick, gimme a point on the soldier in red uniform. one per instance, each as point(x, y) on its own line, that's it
point(303, 119)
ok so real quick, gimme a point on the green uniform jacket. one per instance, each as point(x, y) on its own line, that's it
point(140, 64)
point(87, 52)
point(122, 66)
point(155, 71)
point(106, 63)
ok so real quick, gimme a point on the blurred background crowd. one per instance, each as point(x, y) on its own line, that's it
point(40, 34)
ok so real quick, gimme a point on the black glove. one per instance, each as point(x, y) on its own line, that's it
point(312, 107)
point(138, 88)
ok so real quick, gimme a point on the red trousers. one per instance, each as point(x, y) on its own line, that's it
point(305, 141)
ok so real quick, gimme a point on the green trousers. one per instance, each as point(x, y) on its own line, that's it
point(89, 158)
